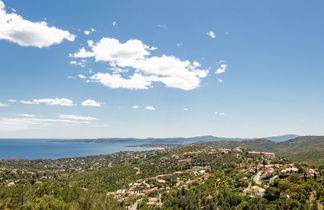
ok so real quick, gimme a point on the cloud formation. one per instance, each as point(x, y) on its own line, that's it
point(51, 101)
point(16, 29)
point(222, 68)
point(88, 32)
point(135, 55)
point(76, 117)
point(27, 123)
point(150, 108)
point(90, 102)
point(25, 115)
point(211, 34)
point(3, 105)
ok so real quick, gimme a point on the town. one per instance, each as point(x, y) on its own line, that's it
point(149, 179)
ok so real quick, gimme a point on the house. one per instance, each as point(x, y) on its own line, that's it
point(239, 149)
point(10, 184)
point(293, 170)
point(268, 155)
point(152, 201)
point(310, 173)
point(255, 190)
point(258, 190)
point(268, 173)
point(254, 154)
point(225, 151)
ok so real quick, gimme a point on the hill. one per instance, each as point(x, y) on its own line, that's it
point(177, 140)
point(304, 148)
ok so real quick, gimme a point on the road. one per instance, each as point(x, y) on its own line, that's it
point(257, 178)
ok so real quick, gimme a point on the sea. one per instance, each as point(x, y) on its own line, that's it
point(31, 149)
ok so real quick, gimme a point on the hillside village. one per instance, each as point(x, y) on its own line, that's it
point(150, 179)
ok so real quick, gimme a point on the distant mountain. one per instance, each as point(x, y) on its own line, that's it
point(177, 140)
point(282, 138)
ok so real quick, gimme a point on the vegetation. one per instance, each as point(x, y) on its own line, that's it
point(212, 175)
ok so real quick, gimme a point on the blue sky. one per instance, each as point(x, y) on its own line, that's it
point(161, 68)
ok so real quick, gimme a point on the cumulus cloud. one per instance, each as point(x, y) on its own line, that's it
point(27, 123)
point(76, 117)
point(219, 80)
point(211, 34)
point(51, 101)
point(219, 113)
point(222, 68)
point(150, 108)
point(3, 105)
point(114, 23)
point(135, 106)
point(82, 53)
point(90, 102)
point(134, 54)
point(185, 109)
point(12, 100)
point(136, 81)
point(16, 29)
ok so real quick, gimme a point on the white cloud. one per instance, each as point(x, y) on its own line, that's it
point(25, 115)
point(114, 23)
point(219, 80)
point(51, 101)
point(151, 108)
point(16, 29)
point(88, 32)
point(222, 68)
point(135, 106)
point(185, 109)
point(82, 53)
point(81, 76)
point(136, 81)
point(81, 63)
point(134, 54)
point(111, 50)
point(219, 113)
point(90, 102)
point(27, 123)
point(27, 102)
point(76, 117)
point(211, 34)
point(12, 100)
point(3, 105)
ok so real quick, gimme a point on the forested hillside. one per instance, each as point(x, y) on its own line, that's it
point(183, 177)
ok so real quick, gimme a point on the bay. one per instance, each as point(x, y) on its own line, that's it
point(31, 149)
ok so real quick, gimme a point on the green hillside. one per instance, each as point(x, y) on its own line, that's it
point(305, 148)
point(312, 154)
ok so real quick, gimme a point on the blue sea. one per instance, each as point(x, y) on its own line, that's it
point(45, 149)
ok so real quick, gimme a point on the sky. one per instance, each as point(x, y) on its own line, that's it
point(142, 68)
